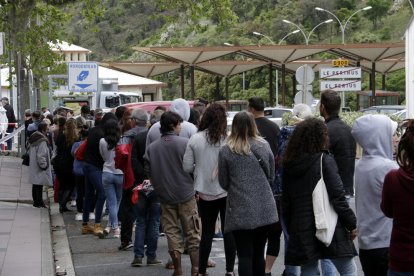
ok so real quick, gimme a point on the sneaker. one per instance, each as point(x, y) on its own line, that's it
point(78, 217)
point(92, 216)
point(117, 233)
point(73, 203)
point(125, 246)
point(154, 262)
point(98, 231)
point(137, 262)
point(87, 229)
point(218, 236)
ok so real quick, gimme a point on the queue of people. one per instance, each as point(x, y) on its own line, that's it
point(184, 170)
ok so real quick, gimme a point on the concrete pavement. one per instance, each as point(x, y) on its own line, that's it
point(25, 236)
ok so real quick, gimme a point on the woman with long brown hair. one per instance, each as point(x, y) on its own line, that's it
point(201, 159)
point(302, 159)
point(246, 169)
point(63, 162)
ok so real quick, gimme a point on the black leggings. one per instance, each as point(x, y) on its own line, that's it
point(250, 246)
point(208, 213)
point(273, 240)
point(37, 195)
point(374, 262)
point(66, 186)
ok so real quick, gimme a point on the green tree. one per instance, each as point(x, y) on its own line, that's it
point(31, 26)
point(378, 11)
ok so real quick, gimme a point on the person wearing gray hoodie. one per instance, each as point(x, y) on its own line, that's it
point(374, 133)
point(182, 107)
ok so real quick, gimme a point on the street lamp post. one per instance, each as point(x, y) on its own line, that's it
point(303, 32)
point(244, 74)
point(343, 25)
point(277, 71)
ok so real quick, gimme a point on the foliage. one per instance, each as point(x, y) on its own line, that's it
point(379, 10)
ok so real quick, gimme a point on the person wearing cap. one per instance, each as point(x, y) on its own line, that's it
point(139, 121)
point(98, 114)
point(11, 120)
point(374, 133)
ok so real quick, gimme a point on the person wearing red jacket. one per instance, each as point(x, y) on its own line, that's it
point(398, 203)
point(138, 120)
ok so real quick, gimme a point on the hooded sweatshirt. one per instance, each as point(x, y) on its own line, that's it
point(181, 107)
point(398, 203)
point(39, 169)
point(374, 134)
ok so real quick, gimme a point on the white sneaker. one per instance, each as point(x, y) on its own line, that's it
point(92, 216)
point(73, 203)
point(117, 233)
point(78, 216)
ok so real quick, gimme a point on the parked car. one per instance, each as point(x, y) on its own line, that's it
point(401, 114)
point(383, 109)
point(275, 114)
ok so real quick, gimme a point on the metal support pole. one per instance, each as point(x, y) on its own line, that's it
point(226, 87)
point(217, 90)
point(270, 85)
point(383, 82)
point(277, 88)
point(182, 80)
point(192, 92)
point(294, 87)
point(373, 85)
point(283, 84)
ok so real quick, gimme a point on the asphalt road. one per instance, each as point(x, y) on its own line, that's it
point(94, 256)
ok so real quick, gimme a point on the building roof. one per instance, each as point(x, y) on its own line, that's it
point(125, 79)
point(64, 46)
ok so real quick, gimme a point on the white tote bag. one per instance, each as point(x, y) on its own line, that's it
point(325, 215)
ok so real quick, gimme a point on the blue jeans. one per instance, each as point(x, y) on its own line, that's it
point(345, 267)
point(93, 183)
point(290, 270)
point(327, 267)
point(112, 184)
point(395, 273)
point(147, 212)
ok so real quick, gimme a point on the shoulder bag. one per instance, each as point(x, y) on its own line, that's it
point(325, 215)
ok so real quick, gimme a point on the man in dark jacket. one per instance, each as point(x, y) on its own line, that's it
point(11, 118)
point(341, 143)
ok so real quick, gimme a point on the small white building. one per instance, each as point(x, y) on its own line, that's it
point(149, 90)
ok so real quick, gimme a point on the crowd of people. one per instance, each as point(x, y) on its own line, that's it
point(176, 171)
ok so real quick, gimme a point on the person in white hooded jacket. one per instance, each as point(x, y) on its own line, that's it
point(182, 107)
point(374, 133)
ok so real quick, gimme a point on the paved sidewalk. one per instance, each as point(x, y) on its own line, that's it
point(25, 235)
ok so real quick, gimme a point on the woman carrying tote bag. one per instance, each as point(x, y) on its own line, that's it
point(302, 171)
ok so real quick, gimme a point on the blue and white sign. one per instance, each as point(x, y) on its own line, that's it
point(83, 76)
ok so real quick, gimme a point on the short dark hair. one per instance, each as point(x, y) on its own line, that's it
point(36, 114)
point(257, 103)
point(168, 121)
point(85, 109)
point(119, 112)
point(42, 126)
point(331, 102)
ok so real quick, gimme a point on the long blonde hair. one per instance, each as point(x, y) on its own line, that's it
point(243, 129)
